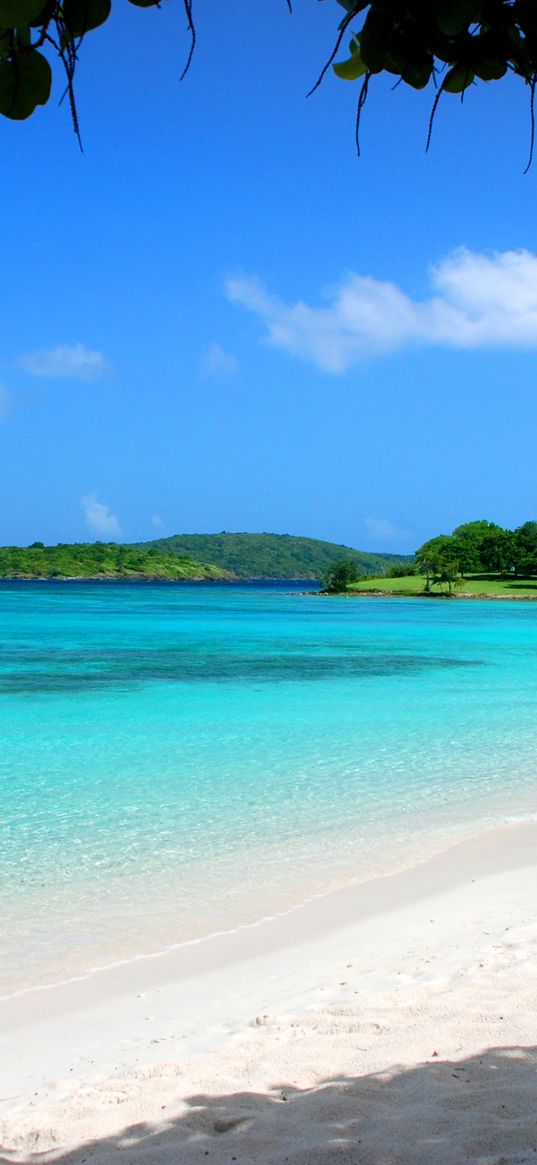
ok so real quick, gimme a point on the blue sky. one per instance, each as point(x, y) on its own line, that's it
point(217, 317)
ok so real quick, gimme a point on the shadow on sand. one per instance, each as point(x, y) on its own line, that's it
point(480, 1110)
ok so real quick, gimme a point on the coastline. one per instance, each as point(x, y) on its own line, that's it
point(240, 580)
point(166, 1024)
point(307, 905)
point(457, 595)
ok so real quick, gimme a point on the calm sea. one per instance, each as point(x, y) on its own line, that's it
point(180, 760)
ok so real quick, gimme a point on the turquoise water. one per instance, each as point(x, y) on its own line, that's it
point(178, 760)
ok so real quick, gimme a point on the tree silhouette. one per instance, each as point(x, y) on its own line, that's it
point(445, 44)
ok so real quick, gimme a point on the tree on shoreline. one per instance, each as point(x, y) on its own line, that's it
point(525, 548)
point(338, 576)
point(479, 548)
point(439, 560)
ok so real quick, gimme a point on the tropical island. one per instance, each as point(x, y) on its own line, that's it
point(478, 559)
point(102, 560)
point(191, 558)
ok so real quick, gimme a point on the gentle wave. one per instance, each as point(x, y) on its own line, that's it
point(182, 760)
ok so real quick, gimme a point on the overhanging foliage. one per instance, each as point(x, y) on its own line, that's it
point(30, 28)
point(447, 44)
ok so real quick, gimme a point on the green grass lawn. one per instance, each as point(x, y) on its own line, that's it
point(477, 584)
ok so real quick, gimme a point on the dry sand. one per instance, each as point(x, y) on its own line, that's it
point(393, 1022)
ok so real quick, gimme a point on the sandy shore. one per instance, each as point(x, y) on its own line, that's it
point(390, 1022)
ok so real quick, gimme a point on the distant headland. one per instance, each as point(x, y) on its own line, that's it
point(190, 558)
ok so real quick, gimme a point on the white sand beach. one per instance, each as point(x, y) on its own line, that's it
point(391, 1022)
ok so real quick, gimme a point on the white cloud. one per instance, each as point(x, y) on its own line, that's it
point(384, 530)
point(67, 360)
point(157, 522)
point(476, 301)
point(100, 518)
point(5, 402)
point(218, 363)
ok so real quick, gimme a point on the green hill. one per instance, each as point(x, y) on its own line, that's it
point(270, 555)
point(102, 560)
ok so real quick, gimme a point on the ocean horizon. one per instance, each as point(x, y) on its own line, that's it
point(181, 760)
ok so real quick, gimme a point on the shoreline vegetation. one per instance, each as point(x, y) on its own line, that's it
point(479, 560)
point(189, 558)
point(101, 561)
point(473, 587)
point(285, 556)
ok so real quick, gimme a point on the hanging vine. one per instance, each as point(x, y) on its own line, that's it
point(448, 44)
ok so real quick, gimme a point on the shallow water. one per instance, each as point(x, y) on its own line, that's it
point(177, 760)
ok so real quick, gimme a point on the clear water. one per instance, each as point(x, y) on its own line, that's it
point(178, 760)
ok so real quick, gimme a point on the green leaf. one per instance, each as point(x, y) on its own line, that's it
point(14, 13)
point(5, 44)
point(144, 3)
point(418, 73)
point(454, 16)
point(399, 57)
point(350, 70)
point(24, 83)
point(374, 40)
point(527, 16)
point(41, 16)
point(81, 16)
point(490, 70)
point(458, 79)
